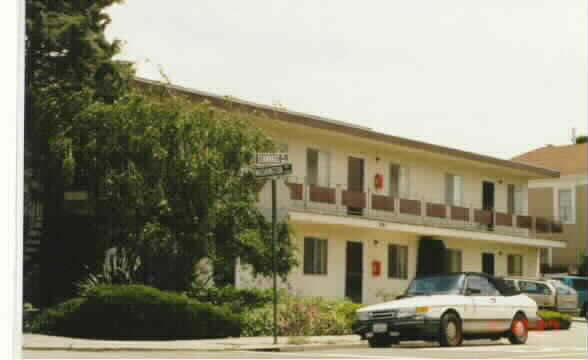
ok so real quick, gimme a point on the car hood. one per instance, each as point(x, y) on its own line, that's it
point(414, 301)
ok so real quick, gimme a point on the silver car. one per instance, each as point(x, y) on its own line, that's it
point(549, 294)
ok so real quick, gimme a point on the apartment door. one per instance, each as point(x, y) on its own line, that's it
point(354, 271)
point(355, 179)
point(487, 195)
point(488, 198)
point(488, 263)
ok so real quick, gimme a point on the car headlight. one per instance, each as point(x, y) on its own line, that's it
point(363, 315)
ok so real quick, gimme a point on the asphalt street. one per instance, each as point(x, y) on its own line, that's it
point(562, 344)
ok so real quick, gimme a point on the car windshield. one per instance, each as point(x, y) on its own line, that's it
point(441, 284)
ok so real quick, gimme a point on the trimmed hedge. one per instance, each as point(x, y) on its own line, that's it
point(137, 312)
point(553, 320)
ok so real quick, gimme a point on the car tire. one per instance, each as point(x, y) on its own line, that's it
point(450, 332)
point(519, 330)
point(380, 341)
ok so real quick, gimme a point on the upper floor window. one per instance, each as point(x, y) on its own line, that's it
point(453, 189)
point(399, 183)
point(317, 167)
point(514, 199)
point(565, 205)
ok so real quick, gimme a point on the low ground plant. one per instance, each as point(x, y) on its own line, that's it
point(302, 316)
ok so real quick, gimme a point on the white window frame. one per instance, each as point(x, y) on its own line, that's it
point(404, 186)
point(457, 190)
point(518, 195)
point(399, 276)
point(399, 190)
point(319, 150)
point(314, 271)
point(522, 265)
point(556, 214)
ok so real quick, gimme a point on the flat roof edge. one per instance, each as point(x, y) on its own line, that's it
point(355, 130)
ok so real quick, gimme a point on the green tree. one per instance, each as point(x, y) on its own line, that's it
point(171, 189)
point(69, 65)
point(581, 139)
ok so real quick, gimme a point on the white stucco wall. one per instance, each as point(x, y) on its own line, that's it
point(375, 244)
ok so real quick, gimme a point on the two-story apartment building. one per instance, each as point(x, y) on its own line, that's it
point(562, 198)
point(361, 202)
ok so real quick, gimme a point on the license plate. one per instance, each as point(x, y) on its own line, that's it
point(380, 328)
point(394, 333)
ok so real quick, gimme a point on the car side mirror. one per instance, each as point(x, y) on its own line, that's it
point(473, 291)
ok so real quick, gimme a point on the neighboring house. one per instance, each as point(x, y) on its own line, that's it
point(562, 198)
point(360, 202)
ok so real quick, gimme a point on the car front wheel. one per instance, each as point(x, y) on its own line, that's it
point(519, 331)
point(450, 333)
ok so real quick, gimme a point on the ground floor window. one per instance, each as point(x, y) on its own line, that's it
point(515, 265)
point(315, 255)
point(397, 261)
point(453, 260)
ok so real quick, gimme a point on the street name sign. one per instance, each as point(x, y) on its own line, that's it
point(271, 158)
point(275, 170)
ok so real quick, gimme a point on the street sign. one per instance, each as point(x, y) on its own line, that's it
point(271, 158)
point(275, 170)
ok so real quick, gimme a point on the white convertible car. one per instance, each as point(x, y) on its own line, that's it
point(449, 308)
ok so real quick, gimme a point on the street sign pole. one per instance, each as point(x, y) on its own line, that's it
point(273, 165)
point(274, 255)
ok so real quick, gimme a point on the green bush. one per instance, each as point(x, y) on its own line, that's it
point(554, 320)
point(302, 316)
point(137, 312)
point(239, 300)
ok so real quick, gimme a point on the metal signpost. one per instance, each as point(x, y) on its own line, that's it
point(273, 165)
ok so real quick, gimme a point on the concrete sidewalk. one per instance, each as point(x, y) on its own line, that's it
point(265, 343)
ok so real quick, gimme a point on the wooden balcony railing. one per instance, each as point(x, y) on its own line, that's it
point(338, 201)
point(322, 194)
point(354, 199)
point(410, 207)
point(383, 203)
point(460, 213)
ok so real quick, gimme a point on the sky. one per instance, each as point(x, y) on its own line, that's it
point(498, 77)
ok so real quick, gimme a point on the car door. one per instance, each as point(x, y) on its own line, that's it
point(489, 306)
point(566, 298)
point(538, 292)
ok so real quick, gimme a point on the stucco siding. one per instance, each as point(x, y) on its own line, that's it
point(375, 248)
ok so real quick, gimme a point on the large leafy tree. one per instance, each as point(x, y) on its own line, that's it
point(171, 186)
point(68, 65)
point(163, 175)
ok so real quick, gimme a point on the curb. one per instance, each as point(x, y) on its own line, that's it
point(270, 348)
point(579, 320)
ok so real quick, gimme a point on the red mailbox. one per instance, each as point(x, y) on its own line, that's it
point(379, 181)
point(376, 268)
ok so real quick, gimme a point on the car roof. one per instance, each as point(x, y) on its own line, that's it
point(524, 278)
point(570, 277)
